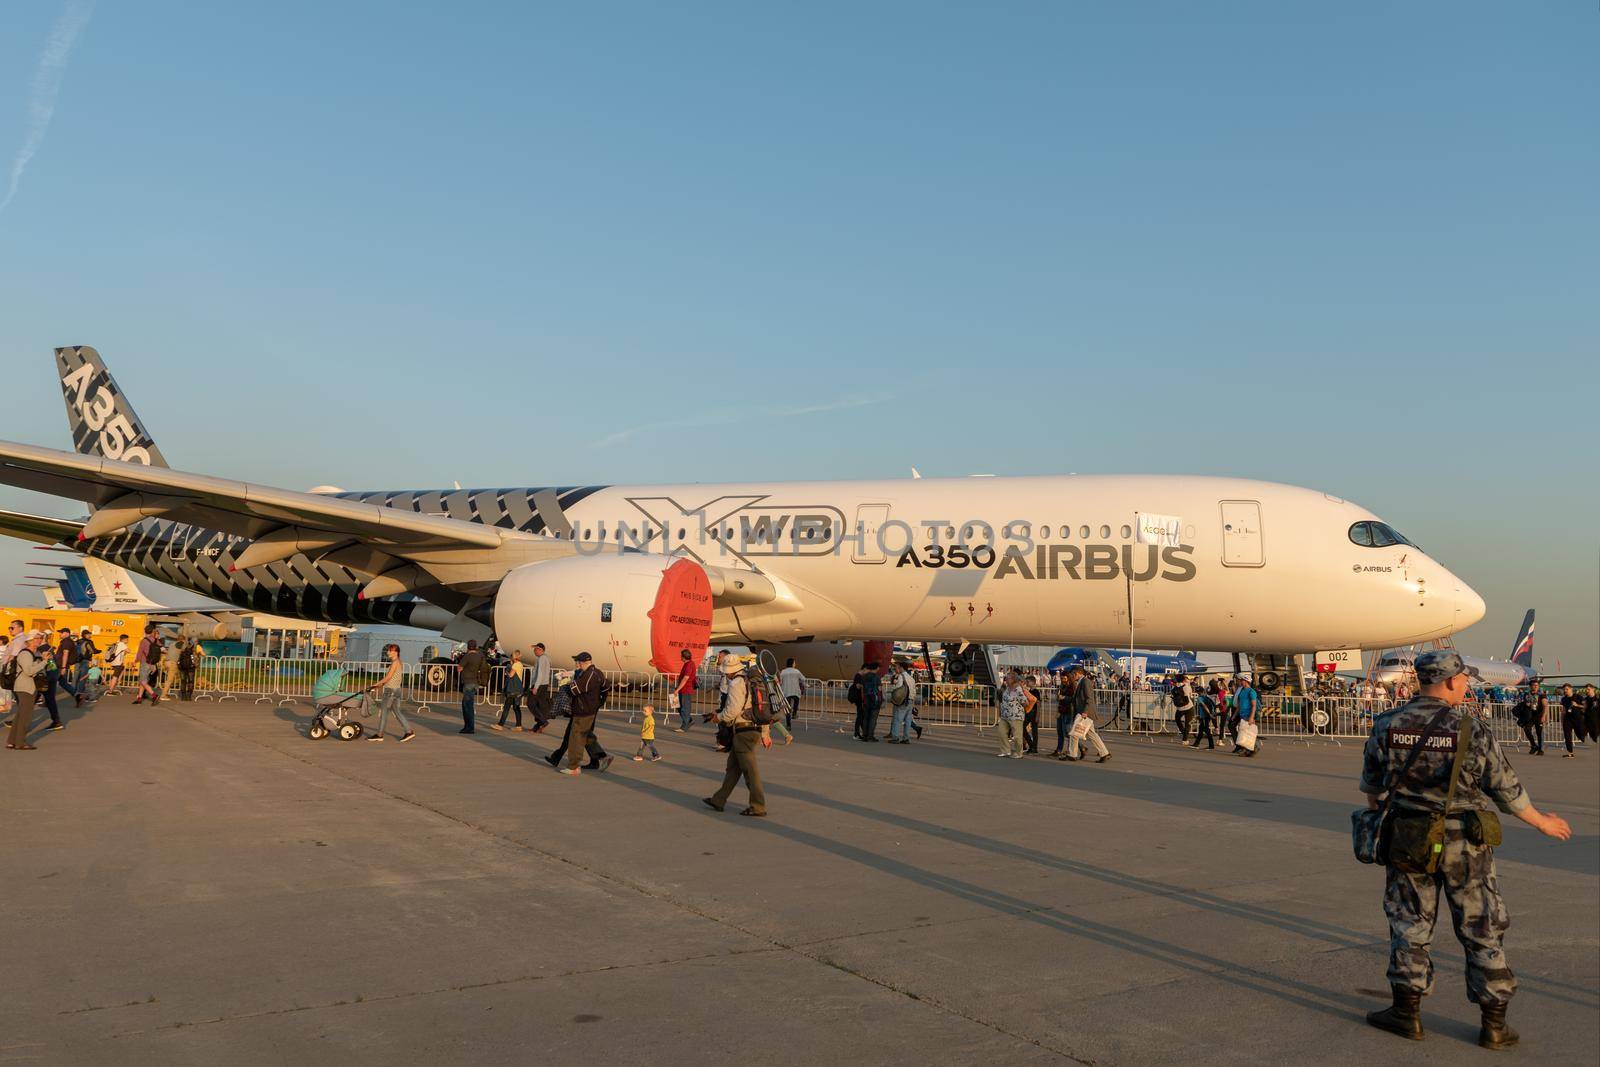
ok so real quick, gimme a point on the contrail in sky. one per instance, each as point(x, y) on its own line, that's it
point(46, 85)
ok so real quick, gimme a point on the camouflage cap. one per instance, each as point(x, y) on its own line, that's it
point(1442, 665)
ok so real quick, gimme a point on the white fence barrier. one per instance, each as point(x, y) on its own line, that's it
point(824, 703)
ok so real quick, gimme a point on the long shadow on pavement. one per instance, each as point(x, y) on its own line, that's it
point(1579, 856)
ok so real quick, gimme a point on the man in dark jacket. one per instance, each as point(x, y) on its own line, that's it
point(1083, 708)
point(188, 665)
point(474, 672)
point(871, 701)
point(81, 664)
point(67, 661)
point(589, 690)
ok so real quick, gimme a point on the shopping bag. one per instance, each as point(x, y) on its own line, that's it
point(1248, 735)
point(1080, 727)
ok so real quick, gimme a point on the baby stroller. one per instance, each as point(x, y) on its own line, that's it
point(336, 709)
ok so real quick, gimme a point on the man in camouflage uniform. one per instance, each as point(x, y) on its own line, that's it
point(1466, 871)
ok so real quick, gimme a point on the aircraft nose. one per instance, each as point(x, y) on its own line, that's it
point(1469, 605)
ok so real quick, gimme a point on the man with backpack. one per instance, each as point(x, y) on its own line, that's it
point(67, 665)
point(1529, 713)
point(742, 714)
point(20, 674)
point(901, 692)
point(867, 689)
point(81, 664)
point(148, 664)
point(1205, 708)
point(117, 663)
point(1182, 705)
point(188, 665)
point(16, 640)
point(1435, 777)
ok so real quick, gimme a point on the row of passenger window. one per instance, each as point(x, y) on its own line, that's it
point(1021, 531)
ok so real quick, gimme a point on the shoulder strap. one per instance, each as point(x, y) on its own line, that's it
point(1463, 742)
point(1416, 750)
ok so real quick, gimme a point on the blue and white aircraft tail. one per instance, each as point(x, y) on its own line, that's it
point(1522, 647)
point(1154, 662)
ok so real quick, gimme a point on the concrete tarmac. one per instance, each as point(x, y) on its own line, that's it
point(201, 884)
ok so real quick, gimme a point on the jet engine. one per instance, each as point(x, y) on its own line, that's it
point(634, 612)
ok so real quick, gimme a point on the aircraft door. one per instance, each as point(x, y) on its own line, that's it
point(865, 546)
point(1242, 544)
point(178, 545)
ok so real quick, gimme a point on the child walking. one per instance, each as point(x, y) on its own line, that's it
point(647, 735)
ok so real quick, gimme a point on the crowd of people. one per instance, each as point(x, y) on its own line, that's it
point(1205, 710)
point(36, 666)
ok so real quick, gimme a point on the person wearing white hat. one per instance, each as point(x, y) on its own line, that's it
point(28, 665)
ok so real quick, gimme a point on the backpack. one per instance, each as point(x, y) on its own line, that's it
point(9, 673)
point(854, 694)
point(871, 690)
point(900, 695)
point(758, 704)
point(186, 660)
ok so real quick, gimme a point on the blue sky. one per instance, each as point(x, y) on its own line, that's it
point(1346, 246)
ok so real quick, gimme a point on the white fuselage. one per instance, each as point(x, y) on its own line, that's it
point(1256, 567)
point(1397, 667)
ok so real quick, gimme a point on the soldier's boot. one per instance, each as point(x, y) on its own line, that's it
point(1495, 1033)
point(1404, 1017)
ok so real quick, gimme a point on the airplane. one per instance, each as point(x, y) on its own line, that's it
point(1155, 662)
point(69, 589)
point(1512, 672)
point(114, 589)
point(636, 573)
point(54, 596)
point(95, 585)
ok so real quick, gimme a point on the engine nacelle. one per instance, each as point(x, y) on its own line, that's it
point(633, 612)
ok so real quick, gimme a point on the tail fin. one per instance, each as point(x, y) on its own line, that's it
point(75, 586)
point(1522, 648)
point(103, 422)
point(114, 587)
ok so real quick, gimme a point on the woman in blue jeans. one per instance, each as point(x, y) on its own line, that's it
point(388, 691)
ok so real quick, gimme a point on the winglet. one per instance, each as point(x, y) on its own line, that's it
point(103, 422)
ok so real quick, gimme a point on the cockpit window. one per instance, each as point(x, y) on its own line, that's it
point(1376, 535)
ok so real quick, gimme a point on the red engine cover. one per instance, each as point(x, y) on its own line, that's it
point(681, 616)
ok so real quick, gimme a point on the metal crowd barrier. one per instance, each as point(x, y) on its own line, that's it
point(1148, 713)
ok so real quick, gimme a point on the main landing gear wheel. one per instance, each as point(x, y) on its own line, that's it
point(317, 731)
point(350, 731)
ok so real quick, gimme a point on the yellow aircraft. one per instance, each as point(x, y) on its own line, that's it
point(104, 626)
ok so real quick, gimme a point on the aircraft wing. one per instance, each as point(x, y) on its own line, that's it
point(237, 507)
point(370, 538)
point(40, 528)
